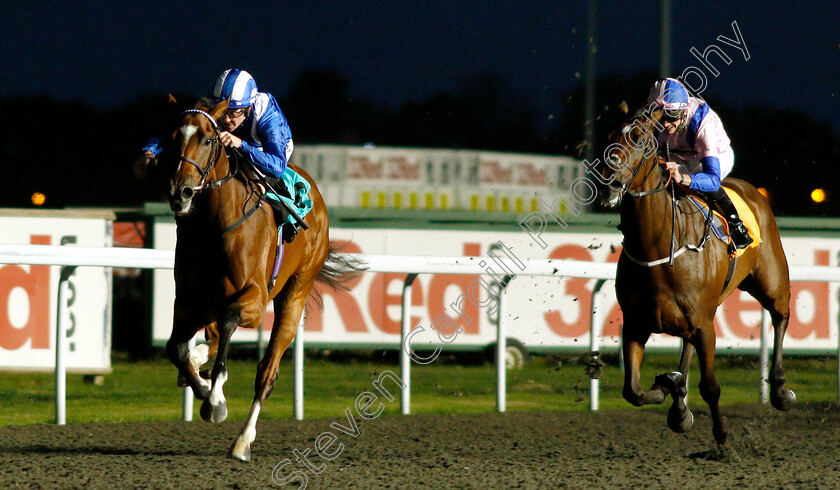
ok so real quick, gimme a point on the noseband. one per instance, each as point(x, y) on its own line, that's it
point(205, 171)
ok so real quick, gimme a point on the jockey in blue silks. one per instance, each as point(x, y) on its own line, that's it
point(253, 123)
point(690, 125)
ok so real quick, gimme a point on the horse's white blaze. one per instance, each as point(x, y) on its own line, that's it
point(217, 396)
point(199, 355)
point(188, 131)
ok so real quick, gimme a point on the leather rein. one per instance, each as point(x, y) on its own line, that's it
point(204, 171)
point(673, 254)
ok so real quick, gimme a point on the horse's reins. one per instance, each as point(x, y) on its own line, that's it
point(216, 152)
point(673, 254)
point(205, 171)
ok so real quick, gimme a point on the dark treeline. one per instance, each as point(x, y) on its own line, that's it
point(82, 156)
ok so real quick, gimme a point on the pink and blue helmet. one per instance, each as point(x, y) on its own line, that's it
point(237, 85)
point(670, 95)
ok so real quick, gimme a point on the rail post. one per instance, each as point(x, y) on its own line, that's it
point(299, 368)
point(764, 357)
point(501, 349)
point(594, 341)
point(405, 361)
point(61, 345)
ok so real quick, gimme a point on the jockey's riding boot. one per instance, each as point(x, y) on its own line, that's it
point(740, 237)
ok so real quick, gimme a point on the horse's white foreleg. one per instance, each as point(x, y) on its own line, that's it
point(241, 448)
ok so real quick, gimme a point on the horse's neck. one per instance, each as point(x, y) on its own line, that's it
point(647, 221)
point(225, 202)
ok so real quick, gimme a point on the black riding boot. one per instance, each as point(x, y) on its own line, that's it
point(740, 236)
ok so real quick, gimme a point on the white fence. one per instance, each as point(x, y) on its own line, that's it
point(72, 257)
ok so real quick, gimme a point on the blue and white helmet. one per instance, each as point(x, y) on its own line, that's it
point(238, 85)
point(670, 95)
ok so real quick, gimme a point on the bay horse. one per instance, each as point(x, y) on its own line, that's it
point(662, 290)
point(226, 247)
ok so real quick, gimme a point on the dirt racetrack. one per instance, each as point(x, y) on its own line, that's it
point(524, 450)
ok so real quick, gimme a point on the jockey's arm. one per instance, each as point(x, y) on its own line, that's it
point(709, 145)
point(708, 180)
point(272, 158)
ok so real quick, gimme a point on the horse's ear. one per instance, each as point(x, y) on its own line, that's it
point(623, 108)
point(219, 109)
point(657, 114)
point(172, 100)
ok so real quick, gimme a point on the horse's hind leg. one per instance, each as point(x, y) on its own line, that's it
point(288, 308)
point(774, 296)
point(781, 397)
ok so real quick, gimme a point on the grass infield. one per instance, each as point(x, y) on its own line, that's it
point(146, 390)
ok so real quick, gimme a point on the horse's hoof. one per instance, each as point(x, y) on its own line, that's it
point(669, 382)
point(720, 433)
point(206, 411)
point(214, 415)
point(182, 383)
point(242, 454)
point(783, 399)
point(680, 422)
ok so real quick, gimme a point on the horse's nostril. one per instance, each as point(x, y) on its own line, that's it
point(187, 193)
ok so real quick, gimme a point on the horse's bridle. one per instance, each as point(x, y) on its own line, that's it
point(215, 152)
point(625, 188)
point(674, 253)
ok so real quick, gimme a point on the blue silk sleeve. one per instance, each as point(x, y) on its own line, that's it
point(709, 179)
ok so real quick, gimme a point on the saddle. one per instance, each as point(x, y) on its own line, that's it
point(720, 227)
point(288, 218)
point(287, 196)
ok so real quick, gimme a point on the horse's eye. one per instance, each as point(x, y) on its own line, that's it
point(207, 141)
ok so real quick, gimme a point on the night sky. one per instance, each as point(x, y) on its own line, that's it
point(109, 53)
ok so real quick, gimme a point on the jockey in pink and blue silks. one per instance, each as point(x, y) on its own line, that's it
point(691, 126)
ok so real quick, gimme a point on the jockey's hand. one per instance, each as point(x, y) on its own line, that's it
point(230, 140)
point(673, 170)
point(144, 164)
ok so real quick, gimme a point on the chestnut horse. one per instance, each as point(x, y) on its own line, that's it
point(681, 299)
point(224, 257)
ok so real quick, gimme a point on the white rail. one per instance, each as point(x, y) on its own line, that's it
point(72, 257)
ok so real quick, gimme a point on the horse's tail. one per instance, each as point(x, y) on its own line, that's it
point(338, 269)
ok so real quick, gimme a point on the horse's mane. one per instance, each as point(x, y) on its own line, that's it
point(204, 103)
